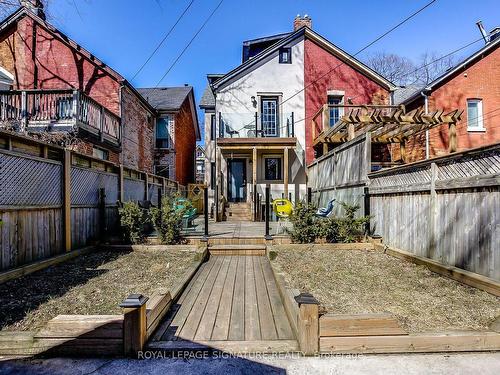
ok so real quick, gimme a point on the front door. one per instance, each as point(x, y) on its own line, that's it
point(237, 173)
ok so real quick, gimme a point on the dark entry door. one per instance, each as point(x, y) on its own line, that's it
point(237, 173)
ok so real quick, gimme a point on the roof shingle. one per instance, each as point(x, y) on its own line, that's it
point(166, 98)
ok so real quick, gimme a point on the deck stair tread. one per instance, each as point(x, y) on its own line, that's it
point(238, 247)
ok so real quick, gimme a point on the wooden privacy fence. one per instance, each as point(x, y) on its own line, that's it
point(342, 174)
point(53, 200)
point(446, 209)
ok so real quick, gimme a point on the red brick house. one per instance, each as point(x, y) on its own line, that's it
point(176, 131)
point(472, 86)
point(51, 84)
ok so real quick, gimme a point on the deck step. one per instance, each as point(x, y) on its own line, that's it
point(244, 249)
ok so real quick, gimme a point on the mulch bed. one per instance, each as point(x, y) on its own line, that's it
point(369, 281)
point(94, 283)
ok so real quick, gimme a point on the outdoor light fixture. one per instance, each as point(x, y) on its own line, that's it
point(254, 102)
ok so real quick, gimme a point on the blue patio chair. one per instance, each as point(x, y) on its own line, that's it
point(325, 211)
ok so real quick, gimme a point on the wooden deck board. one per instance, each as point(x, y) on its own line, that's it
point(237, 323)
point(230, 299)
point(221, 327)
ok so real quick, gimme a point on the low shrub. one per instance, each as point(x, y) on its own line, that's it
point(307, 227)
point(344, 229)
point(133, 221)
point(168, 221)
point(304, 223)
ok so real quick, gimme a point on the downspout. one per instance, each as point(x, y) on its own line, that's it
point(426, 109)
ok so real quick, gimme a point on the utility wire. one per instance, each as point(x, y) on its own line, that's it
point(358, 52)
point(164, 39)
point(190, 42)
point(419, 68)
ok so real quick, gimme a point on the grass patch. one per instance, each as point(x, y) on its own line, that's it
point(94, 283)
point(369, 281)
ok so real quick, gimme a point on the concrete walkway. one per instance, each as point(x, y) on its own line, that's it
point(482, 363)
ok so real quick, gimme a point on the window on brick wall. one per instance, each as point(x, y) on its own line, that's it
point(162, 135)
point(100, 153)
point(475, 115)
point(335, 112)
point(162, 170)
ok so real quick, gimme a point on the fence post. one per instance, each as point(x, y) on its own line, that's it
point(432, 212)
point(146, 186)
point(308, 323)
point(67, 199)
point(103, 225)
point(205, 209)
point(366, 205)
point(268, 193)
point(134, 323)
point(309, 195)
point(255, 203)
point(121, 192)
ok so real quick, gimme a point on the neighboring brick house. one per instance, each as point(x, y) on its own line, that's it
point(258, 116)
point(472, 86)
point(176, 131)
point(58, 86)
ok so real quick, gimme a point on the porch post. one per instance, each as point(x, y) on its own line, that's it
point(218, 182)
point(285, 172)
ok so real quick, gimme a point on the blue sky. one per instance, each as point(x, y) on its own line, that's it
point(123, 33)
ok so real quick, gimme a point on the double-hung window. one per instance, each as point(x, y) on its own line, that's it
point(335, 112)
point(162, 132)
point(270, 117)
point(475, 115)
point(285, 55)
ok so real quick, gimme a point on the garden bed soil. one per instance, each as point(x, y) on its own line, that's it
point(369, 281)
point(94, 283)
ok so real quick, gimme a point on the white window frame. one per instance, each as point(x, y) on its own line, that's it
point(340, 109)
point(480, 119)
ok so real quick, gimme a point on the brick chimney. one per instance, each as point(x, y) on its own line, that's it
point(299, 21)
point(36, 6)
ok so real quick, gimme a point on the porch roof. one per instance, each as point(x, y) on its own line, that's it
point(259, 143)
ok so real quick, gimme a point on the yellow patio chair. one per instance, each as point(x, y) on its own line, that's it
point(283, 208)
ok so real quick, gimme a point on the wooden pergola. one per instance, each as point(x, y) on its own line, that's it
point(386, 124)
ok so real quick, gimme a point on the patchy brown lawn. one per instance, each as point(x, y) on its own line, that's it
point(361, 281)
point(95, 283)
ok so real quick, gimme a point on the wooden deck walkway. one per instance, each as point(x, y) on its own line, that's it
point(231, 302)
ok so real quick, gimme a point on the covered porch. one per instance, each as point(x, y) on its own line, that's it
point(246, 166)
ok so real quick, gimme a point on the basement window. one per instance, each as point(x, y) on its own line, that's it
point(285, 55)
point(99, 153)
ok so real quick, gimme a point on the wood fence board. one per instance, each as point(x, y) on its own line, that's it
point(331, 325)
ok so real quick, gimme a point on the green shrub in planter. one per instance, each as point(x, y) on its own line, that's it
point(304, 223)
point(133, 221)
point(344, 229)
point(168, 221)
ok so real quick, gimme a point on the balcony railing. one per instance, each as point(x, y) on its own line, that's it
point(255, 125)
point(60, 110)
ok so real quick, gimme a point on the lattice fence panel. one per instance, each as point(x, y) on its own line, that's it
point(85, 185)
point(470, 165)
point(29, 182)
point(133, 190)
point(415, 175)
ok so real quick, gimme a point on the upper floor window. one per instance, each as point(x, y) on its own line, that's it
point(162, 133)
point(212, 127)
point(270, 117)
point(335, 112)
point(475, 115)
point(285, 55)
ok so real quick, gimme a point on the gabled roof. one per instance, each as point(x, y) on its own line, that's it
point(450, 73)
point(24, 12)
point(171, 99)
point(402, 93)
point(166, 98)
point(324, 43)
point(265, 39)
point(208, 99)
